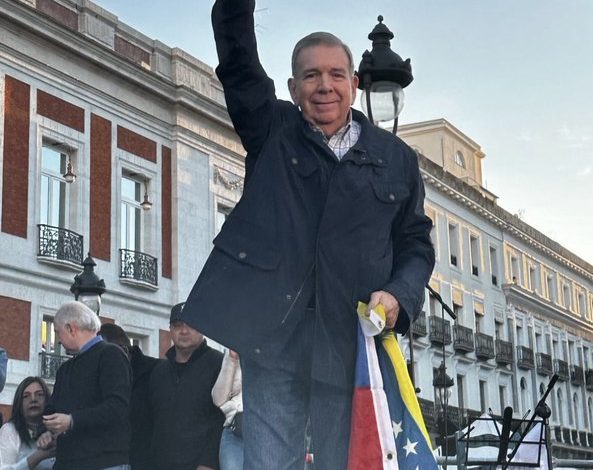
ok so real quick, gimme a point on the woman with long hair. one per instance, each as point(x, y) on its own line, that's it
point(18, 447)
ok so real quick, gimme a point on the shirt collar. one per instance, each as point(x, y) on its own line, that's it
point(339, 133)
point(89, 344)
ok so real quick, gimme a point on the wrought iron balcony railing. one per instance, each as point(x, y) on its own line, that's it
point(440, 330)
point(428, 412)
point(544, 364)
point(419, 325)
point(49, 363)
point(463, 338)
point(566, 436)
point(138, 266)
point(60, 244)
point(561, 368)
point(577, 375)
point(589, 382)
point(484, 346)
point(504, 352)
point(525, 358)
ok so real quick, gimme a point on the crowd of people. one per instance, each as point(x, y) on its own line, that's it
point(113, 408)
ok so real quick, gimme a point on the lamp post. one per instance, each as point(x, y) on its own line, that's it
point(442, 384)
point(87, 287)
point(382, 77)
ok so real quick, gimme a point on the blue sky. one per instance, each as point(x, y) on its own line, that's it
point(515, 76)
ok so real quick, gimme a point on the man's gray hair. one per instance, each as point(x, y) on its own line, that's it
point(320, 38)
point(78, 314)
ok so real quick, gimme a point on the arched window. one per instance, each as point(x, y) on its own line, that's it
point(524, 394)
point(577, 412)
point(560, 404)
point(459, 159)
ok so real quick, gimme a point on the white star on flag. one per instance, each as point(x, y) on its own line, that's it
point(397, 428)
point(410, 447)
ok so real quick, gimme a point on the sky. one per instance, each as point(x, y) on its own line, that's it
point(516, 76)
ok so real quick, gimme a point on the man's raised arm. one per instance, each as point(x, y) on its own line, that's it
point(249, 92)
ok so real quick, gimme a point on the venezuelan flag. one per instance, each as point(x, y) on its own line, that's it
point(387, 429)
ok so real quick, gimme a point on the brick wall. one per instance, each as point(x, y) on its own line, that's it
point(60, 111)
point(100, 197)
point(135, 143)
point(15, 327)
point(15, 175)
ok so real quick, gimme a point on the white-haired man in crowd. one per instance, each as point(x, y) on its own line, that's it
point(88, 411)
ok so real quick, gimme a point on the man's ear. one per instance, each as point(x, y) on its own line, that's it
point(354, 87)
point(292, 90)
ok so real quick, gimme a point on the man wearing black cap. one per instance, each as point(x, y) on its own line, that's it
point(187, 425)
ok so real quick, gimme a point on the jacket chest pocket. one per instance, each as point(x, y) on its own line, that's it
point(303, 166)
point(390, 194)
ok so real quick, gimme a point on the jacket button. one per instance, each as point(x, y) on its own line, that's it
point(294, 161)
point(363, 157)
point(391, 197)
point(380, 160)
point(288, 297)
point(257, 351)
point(242, 255)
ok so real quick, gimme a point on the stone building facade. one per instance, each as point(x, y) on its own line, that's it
point(134, 119)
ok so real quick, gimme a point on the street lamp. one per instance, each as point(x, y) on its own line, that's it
point(382, 77)
point(442, 384)
point(87, 287)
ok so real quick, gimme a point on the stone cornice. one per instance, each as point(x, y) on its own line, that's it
point(455, 188)
point(102, 56)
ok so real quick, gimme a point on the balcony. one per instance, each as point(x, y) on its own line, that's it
point(139, 269)
point(525, 358)
point(419, 325)
point(428, 412)
point(589, 382)
point(543, 363)
point(60, 245)
point(440, 331)
point(49, 363)
point(577, 375)
point(583, 438)
point(590, 438)
point(463, 338)
point(484, 346)
point(566, 436)
point(504, 352)
point(561, 368)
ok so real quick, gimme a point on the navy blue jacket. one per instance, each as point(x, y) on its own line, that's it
point(307, 226)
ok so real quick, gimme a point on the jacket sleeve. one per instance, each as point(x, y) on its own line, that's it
point(413, 253)
point(3, 368)
point(115, 388)
point(249, 92)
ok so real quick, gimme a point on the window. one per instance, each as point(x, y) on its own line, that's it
point(459, 159)
point(49, 341)
point(474, 245)
point(515, 272)
point(432, 215)
point(494, 265)
point(461, 391)
point(131, 214)
point(520, 335)
point(499, 330)
point(533, 278)
point(502, 397)
point(483, 395)
point(551, 287)
point(582, 305)
point(539, 344)
point(54, 192)
point(566, 297)
point(454, 244)
point(524, 394)
point(222, 212)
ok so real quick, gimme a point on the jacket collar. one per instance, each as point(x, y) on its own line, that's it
point(170, 354)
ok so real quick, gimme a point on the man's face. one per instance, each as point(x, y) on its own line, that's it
point(66, 336)
point(323, 86)
point(184, 336)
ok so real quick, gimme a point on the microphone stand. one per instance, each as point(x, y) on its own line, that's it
point(444, 308)
point(542, 410)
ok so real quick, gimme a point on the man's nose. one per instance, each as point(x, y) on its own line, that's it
point(325, 83)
